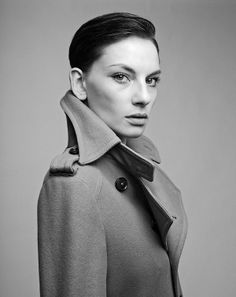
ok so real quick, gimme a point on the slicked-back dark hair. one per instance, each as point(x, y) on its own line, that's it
point(90, 39)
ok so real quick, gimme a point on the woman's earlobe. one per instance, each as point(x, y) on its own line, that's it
point(76, 77)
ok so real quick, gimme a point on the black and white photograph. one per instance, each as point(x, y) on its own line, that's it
point(118, 163)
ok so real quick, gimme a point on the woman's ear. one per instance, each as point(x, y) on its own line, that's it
point(77, 83)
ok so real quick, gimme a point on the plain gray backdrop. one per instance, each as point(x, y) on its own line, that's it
point(193, 125)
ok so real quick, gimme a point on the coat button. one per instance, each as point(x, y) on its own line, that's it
point(121, 184)
point(74, 150)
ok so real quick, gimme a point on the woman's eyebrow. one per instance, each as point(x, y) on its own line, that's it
point(157, 72)
point(129, 69)
point(125, 67)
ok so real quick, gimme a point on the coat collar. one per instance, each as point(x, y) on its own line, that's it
point(94, 139)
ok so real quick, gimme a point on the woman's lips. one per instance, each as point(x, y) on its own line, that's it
point(137, 119)
point(138, 116)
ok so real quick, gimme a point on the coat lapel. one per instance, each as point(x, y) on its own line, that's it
point(166, 204)
point(144, 169)
point(164, 200)
point(162, 195)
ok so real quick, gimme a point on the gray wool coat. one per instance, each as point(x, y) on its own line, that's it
point(110, 222)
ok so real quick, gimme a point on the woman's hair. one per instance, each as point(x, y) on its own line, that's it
point(90, 39)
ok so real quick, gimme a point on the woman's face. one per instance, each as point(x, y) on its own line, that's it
point(122, 85)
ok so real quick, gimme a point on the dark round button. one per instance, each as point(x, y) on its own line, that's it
point(121, 184)
point(74, 150)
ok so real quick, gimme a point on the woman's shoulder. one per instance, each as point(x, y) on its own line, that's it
point(68, 199)
point(66, 176)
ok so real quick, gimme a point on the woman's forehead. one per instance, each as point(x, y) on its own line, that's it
point(133, 52)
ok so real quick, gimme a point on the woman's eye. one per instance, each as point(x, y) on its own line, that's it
point(153, 81)
point(120, 77)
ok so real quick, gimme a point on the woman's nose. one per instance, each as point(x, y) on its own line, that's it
point(141, 94)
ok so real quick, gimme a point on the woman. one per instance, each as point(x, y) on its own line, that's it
point(110, 222)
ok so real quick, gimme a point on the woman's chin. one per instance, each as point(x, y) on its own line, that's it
point(132, 133)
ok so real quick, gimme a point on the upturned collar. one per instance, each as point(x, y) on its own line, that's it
point(94, 139)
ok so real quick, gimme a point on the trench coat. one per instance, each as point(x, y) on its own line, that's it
point(110, 221)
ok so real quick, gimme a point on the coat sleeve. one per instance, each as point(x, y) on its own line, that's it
point(71, 239)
